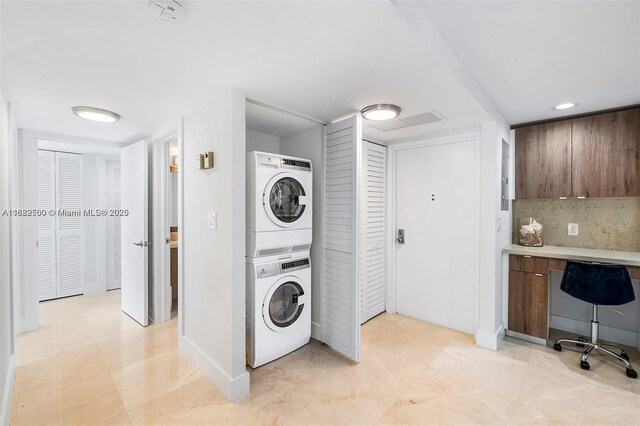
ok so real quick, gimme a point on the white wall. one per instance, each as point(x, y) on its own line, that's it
point(309, 144)
point(258, 141)
point(490, 326)
point(213, 289)
point(7, 340)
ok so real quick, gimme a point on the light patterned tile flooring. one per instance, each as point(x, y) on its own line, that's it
point(91, 364)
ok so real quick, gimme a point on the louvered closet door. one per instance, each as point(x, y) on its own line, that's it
point(341, 286)
point(372, 289)
point(113, 226)
point(47, 277)
point(70, 242)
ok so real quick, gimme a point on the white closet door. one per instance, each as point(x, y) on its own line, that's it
point(341, 289)
point(47, 276)
point(113, 226)
point(70, 241)
point(372, 289)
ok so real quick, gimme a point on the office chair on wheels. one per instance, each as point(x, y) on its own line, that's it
point(598, 284)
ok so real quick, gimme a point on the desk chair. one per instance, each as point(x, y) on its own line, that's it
point(598, 284)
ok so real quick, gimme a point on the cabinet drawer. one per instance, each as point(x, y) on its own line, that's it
point(536, 265)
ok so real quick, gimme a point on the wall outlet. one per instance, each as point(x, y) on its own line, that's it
point(572, 229)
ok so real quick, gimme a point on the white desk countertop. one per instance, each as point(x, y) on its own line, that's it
point(628, 258)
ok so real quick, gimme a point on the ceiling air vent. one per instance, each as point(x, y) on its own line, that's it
point(416, 120)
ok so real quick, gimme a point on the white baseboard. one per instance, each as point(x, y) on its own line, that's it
point(5, 408)
point(92, 288)
point(316, 331)
point(490, 340)
point(616, 335)
point(233, 388)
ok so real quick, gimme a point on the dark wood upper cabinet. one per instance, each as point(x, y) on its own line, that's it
point(606, 155)
point(543, 160)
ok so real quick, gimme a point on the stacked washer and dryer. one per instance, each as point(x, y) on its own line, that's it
point(279, 234)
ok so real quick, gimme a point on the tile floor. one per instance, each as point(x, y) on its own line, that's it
point(91, 364)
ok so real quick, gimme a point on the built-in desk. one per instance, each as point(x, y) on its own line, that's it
point(528, 305)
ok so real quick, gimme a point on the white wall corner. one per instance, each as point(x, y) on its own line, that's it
point(316, 331)
point(7, 394)
point(234, 388)
point(490, 340)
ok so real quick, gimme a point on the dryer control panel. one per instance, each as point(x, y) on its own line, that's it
point(271, 269)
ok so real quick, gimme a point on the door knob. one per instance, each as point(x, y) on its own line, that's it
point(400, 238)
point(142, 244)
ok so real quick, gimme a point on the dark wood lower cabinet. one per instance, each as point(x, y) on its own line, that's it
point(528, 303)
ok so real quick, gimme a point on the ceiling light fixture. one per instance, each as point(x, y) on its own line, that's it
point(379, 112)
point(565, 105)
point(96, 114)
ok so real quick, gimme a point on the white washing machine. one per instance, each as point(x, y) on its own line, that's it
point(279, 204)
point(278, 307)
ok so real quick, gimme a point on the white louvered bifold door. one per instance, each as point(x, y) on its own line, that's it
point(47, 277)
point(70, 240)
point(113, 226)
point(372, 289)
point(341, 269)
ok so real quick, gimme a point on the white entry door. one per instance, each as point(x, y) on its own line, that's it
point(435, 206)
point(134, 233)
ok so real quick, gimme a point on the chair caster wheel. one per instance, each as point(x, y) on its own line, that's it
point(632, 373)
point(557, 347)
point(624, 355)
point(585, 365)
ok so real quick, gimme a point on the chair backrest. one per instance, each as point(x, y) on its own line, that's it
point(597, 283)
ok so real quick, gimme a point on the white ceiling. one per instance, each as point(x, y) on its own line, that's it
point(322, 59)
point(531, 55)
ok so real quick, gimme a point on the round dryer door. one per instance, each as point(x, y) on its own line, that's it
point(283, 304)
point(284, 200)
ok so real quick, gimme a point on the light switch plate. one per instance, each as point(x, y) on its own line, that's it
point(499, 224)
point(572, 229)
point(212, 219)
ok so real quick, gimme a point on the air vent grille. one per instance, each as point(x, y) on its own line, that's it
point(415, 120)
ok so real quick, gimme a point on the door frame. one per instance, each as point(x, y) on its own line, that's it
point(391, 223)
point(162, 257)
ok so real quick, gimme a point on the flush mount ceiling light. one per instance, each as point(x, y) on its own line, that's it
point(379, 112)
point(565, 105)
point(96, 114)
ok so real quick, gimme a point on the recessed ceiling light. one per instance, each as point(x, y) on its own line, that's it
point(96, 114)
point(565, 105)
point(379, 112)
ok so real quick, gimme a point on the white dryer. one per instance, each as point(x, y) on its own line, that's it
point(278, 316)
point(279, 204)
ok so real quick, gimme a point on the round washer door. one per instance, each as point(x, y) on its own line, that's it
point(283, 304)
point(284, 200)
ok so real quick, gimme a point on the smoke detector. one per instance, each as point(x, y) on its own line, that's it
point(168, 10)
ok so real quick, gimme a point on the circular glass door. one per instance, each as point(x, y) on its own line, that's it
point(284, 305)
point(284, 201)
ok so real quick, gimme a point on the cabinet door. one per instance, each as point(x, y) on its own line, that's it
point(528, 303)
point(543, 161)
point(606, 155)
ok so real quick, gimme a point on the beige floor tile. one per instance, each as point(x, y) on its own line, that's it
point(145, 380)
point(91, 364)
